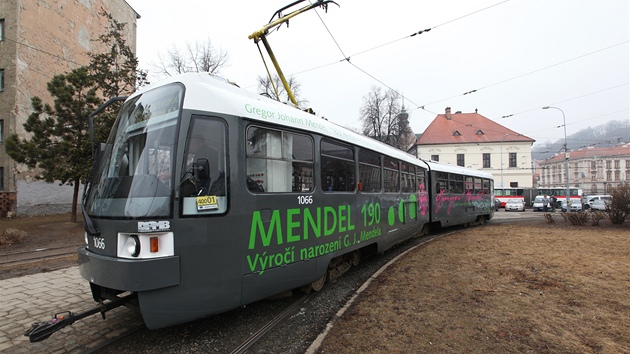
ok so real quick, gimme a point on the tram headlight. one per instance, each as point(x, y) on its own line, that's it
point(133, 245)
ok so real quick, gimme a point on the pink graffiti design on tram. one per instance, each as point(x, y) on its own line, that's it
point(423, 199)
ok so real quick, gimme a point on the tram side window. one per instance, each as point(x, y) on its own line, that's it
point(337, 167)
point(441, 182)
point(278, 161)
point(478, 186)
point(369, 172)
point(392, 175)
point(488, 185)
point(469, 184)
point(408, 176)
point(422, 187)
point(456, 183)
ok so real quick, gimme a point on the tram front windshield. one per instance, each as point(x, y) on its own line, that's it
point(133, 175)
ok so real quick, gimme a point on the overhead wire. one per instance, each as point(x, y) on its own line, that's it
point(347, 58)
point(423, 107)
point(528, 73)
point(567, 100)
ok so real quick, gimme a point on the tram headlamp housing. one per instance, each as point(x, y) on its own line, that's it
point(133, 246)
point(145, 245)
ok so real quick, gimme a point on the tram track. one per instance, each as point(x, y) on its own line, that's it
point(39, 255)
point(267, 327)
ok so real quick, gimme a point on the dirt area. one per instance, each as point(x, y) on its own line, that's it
point(503, 287)
point(45, 235)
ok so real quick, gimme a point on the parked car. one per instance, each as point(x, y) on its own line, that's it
point(599, 204)
point(591, 198)
point(497, 204)
point(515, 204)
point(538, 203)
point(575, 205)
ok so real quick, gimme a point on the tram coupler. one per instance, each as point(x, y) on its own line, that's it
point(42, 330)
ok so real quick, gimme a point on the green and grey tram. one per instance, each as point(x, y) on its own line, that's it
point(207, 197)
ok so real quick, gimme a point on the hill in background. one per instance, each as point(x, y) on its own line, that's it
point(605, 135)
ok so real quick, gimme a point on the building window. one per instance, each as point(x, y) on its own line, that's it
point(1, 79)
point(512, 159)
point(435, 157)
point(593, 165)
point(1, 29)
point(593, 188)
point(1, 129)
point(460, 160)
point(608, 164)
point(617, 176)
point(617, 164)
point(456, 133)
point(609, 175)
point(513, 184)
point(486, 160)
point(1, 178)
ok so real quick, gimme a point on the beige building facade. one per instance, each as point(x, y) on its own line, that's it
point(594, 170)
point(474, 141)
point(38, 40)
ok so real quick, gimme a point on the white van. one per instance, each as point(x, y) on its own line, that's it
point(590, 198)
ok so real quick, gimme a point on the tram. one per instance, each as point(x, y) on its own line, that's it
point(207, 197)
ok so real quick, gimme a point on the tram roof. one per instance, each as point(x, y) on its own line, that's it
point(436, 166)
point(206, 92)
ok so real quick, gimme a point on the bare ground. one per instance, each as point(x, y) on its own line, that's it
point(507, 288)
point(520, 287)
point(41, 235)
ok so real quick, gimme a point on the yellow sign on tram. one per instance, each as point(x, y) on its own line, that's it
point(207, 202)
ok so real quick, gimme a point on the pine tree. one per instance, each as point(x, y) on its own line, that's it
point(59, 144)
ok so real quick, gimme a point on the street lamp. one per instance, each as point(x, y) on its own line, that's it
point(566, 150)
point(501, 154)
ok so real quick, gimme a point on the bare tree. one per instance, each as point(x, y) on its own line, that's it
point(200, 56)
point(267, 89)
point(385, 120)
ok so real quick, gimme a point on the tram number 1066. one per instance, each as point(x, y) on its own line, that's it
point(99, 242)
point(305, 199)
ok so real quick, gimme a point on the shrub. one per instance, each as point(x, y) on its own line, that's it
point(619, 205)
point(549, 218)
point(579, 218)
point(597, 216)
point(12, 236)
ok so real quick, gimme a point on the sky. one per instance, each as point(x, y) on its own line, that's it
point(507, 59)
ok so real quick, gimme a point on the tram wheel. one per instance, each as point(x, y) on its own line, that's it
point(318, 284)
point(481, 220)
